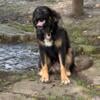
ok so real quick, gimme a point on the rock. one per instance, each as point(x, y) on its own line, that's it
point(12, 35)
point(14, 96)
point(83, 62)
point(92, 75)
point(90, 16)
point(36, 88)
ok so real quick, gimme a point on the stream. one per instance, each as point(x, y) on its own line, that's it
point(15, 57)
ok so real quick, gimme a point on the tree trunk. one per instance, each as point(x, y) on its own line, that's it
point(77, 7)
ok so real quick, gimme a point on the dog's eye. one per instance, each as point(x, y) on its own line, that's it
point(41, 19)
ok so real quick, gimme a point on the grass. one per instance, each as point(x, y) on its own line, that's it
point(68, 97)
point(31, 75)
point(89, 90)
point(90, 23)
point(60, 98)
point(81, 42)
point(76, 34)
point(51, 1)
point(77, 37)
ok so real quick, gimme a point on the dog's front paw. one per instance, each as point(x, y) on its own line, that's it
point(44, 78)
point(64, 76)
point(44, 75)
point(65, 80)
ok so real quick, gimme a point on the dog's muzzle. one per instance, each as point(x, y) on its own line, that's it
point(40, 23)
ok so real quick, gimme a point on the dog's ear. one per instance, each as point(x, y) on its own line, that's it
point(56, 16)
point(34, 18)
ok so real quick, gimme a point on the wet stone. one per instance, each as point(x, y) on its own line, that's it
point(18, 56)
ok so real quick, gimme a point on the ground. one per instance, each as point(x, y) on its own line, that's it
point(19, 52)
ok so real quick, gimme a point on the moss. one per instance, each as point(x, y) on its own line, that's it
point(89, 90)
point(31, 75)
point(76, 36)
point(68, 97)
point(8, 78)
point(90, 23)
point(78, 39)
point(24, 27)
point(81, 98)
point(87, 49)
point(76, 29)
point(51, 1)
point(93, 92)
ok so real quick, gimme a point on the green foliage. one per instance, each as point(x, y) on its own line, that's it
point(24, 27)
point(76, 35)
point(89, 90)
point(31, 75)
point(8, 78)
point(88, 49)
point(68, 97)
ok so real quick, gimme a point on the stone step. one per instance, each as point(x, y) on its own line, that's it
point(12, 35)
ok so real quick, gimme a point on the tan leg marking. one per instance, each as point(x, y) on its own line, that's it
point(58, 43)
point(44, 72)
point(64, 73)
point(41, 70)
point(69, 56)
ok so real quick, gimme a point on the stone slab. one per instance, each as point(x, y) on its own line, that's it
point(12, 35)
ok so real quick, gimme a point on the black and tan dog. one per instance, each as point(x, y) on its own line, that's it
point(54, 44)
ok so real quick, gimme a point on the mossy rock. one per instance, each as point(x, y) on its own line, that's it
point(23, 27)
point(10, 34)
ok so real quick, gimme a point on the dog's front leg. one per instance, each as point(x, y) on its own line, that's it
point(44, 70)
point(64, 72)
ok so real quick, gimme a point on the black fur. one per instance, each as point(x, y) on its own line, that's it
point(51, 26)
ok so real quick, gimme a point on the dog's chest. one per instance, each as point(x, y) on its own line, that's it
point(48, 43)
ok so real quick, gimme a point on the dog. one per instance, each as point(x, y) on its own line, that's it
point(54, 44)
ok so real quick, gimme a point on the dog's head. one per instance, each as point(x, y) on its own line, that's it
point(45, 19)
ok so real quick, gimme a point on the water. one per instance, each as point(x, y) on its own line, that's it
point(18, 56)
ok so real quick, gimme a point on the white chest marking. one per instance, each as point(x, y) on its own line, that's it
point(48, 43)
